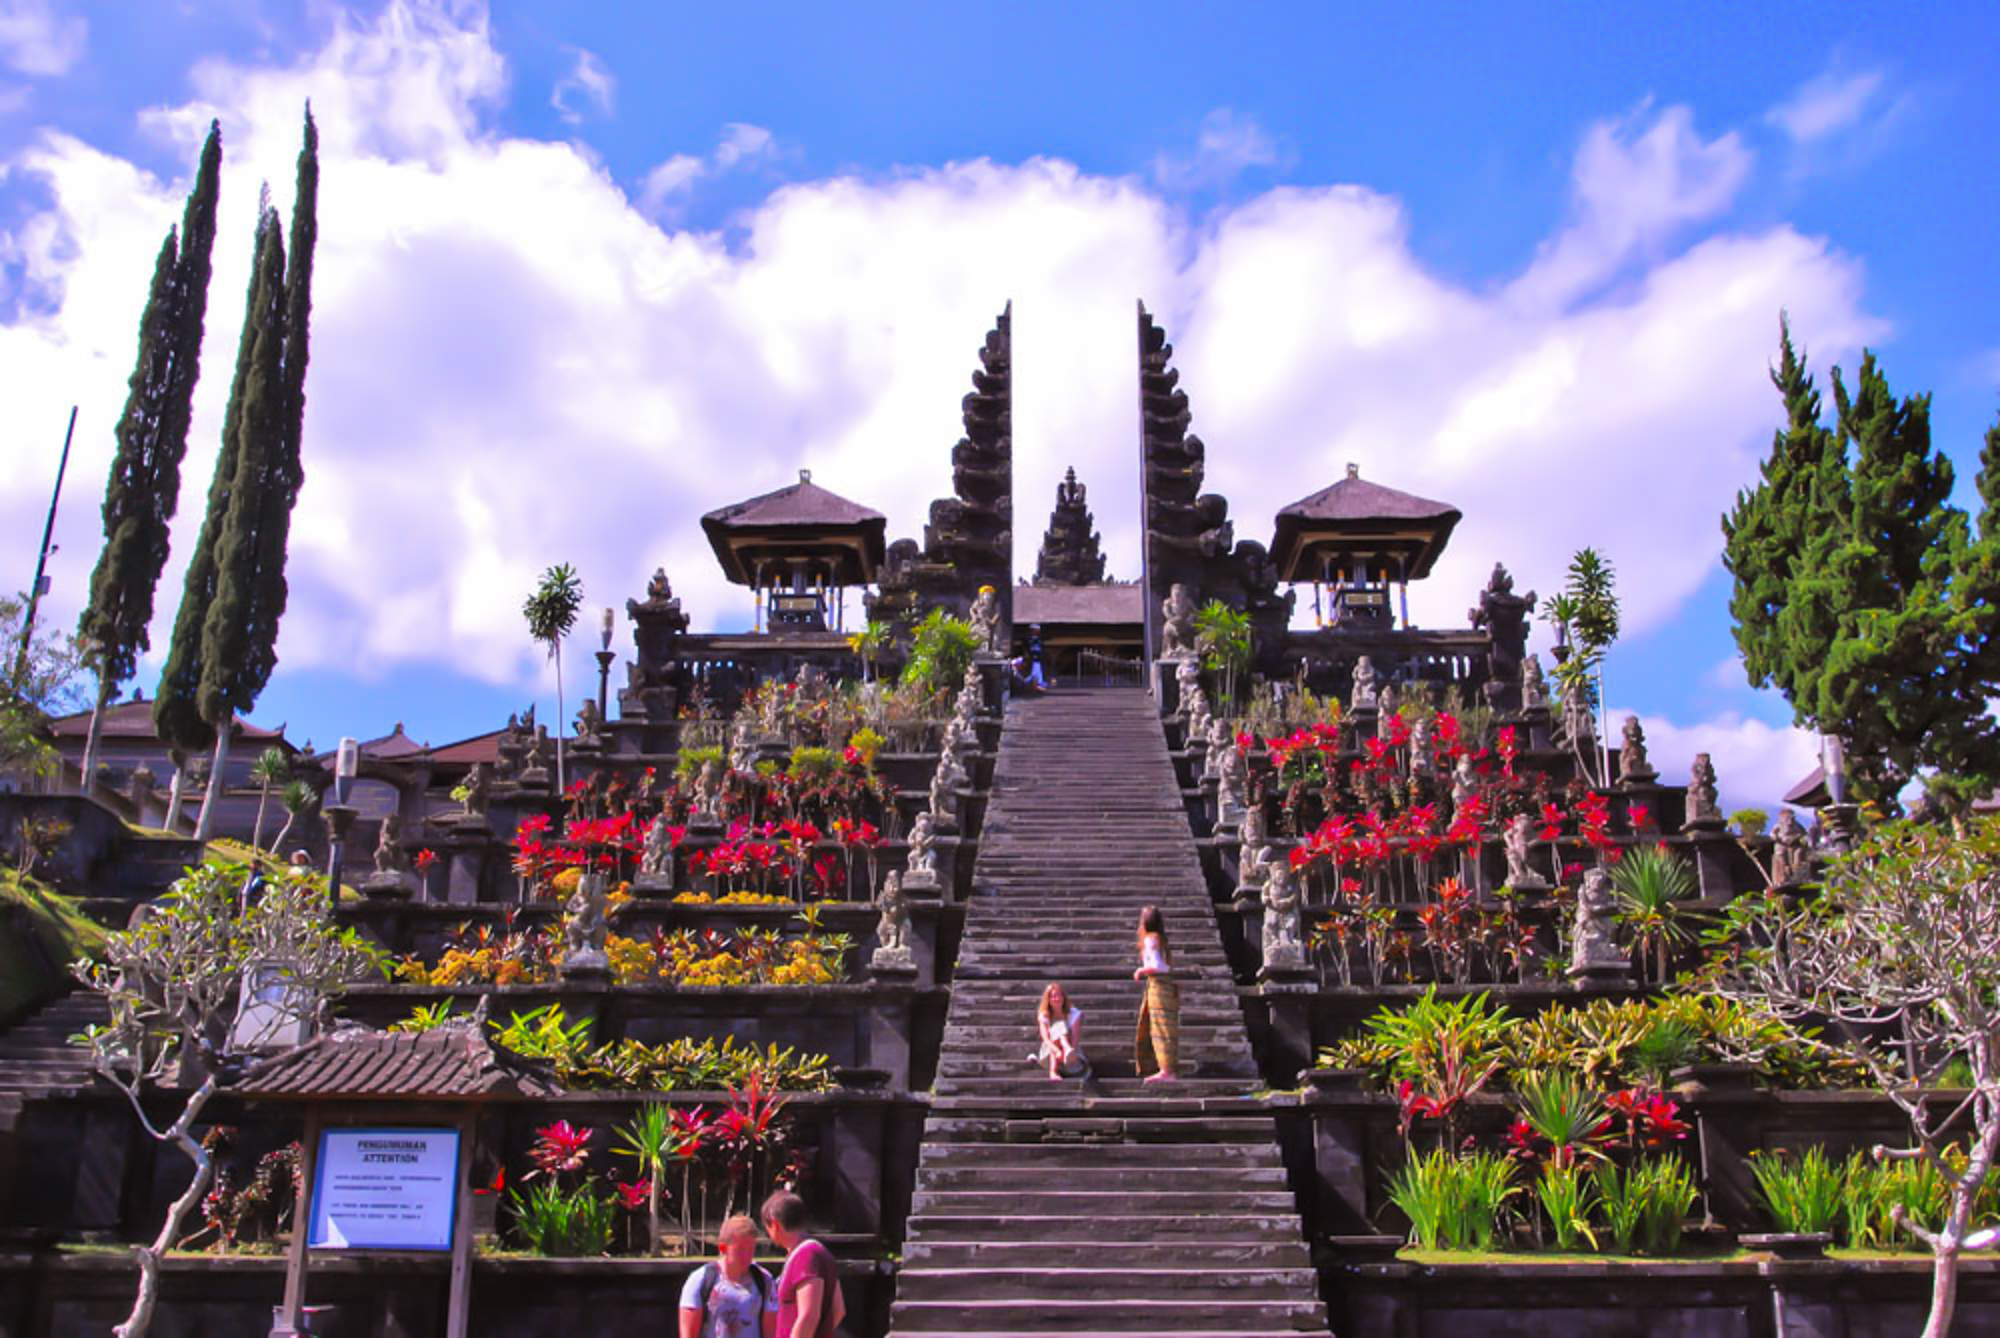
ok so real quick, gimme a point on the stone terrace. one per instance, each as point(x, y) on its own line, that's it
point(1108, 1206)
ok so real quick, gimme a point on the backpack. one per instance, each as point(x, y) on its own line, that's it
point(711, 1273)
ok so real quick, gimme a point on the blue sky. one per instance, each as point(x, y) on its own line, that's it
point(590, 270)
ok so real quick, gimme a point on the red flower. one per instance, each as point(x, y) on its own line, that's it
point(559, 1147)
point(423, 860)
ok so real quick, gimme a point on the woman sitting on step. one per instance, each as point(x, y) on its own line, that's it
point(1061, 1025)
point(1157, 1048)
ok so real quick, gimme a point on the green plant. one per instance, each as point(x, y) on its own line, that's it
point(297, 799)
point(425, 1017)
point(1750, 821)
point(545, 1033)
point(1651, 882)
point(1222, 637)
point(941, 649)
point(1803, 1193)
point(551, 611)
point(648, 1139)
point(1453, 1203)
point(1667, 1192)
point(1560, 1110)
point(691, 760)
point(1566, 1197)
point(1444, 1049)
point(1585, 616)
point(271, 768)
point(870, 643)
point(1668, 1044)
point(551, 1220)
point(1621, 1198)
point(813, 764)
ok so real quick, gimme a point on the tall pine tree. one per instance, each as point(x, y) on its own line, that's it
point(225, 634)
point(1861, 594)
point(144, 488)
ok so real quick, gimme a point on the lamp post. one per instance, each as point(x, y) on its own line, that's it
point(605, 655)
point(1842, 818)
point(339, 815)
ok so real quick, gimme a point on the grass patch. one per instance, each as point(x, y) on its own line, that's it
point(1410, 1254)
point(41, 933)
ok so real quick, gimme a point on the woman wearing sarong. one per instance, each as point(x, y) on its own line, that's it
point(1157, 1048)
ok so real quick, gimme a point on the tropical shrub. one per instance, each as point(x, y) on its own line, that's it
point(1453, 1202)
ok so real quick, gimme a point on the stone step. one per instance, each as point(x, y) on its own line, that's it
point(983, 1282)
point(1097, 1315)
point(1079, 1203)
point(1164, 1175)
point(1020, 1229)
point(1066, 1100)
point(1071, 1130)
point(1234, 1155)
point(1188, 1084)
point(1108, 1249)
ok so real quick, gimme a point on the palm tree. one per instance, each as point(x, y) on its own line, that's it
point(1650, 882)
point(297, 799)
point(551, 612)
point(272, 767)
point(869, 643)
point(1222, 635)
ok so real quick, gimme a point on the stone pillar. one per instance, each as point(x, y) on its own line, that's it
point(885, 1024)
point(855, 1144)
point(1288, 996)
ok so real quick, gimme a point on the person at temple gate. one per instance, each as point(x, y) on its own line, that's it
point(809, 1300)
point(1157, 1047)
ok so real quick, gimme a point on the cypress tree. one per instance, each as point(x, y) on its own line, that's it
point(144, 487)
point(240, 629)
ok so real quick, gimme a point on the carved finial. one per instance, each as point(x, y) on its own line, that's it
point(805, 476)
point(1353, 470)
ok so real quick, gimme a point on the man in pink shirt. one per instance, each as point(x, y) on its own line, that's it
point(809, 1301)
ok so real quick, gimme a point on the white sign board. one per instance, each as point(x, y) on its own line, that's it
point(384, 1189)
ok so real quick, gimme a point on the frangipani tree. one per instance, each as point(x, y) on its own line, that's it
point(1898, 954)
point(173, 984)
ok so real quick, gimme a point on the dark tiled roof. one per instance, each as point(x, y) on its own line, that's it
point(1356, 499)
point(1114, 602)
point(801, 503)
point(479, 748)
point(134, 720)
point(454, 1062)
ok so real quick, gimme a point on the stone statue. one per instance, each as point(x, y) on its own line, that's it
point(1578, 720)
point(389, 856)
point(1216, 737)
point(892, 930)
point(944, 792)
point(589, 723)
point(768, 718)
point(1519, 839)
point(1364, 683)
point(1633, 768)
point(515, 740)
point(1282, 950)
point(1534, 688)
point(1177, 625)
point(478, 788)
point(742, 746)
point(986, 622)
point(1790, 854)
point(1199, 721)
point(1387, 709)
point(1422, 756)
point(659, 589)
point(1594, 947)
point(1464, 783)
point(1232, 780)
point(657, 859)
point(1702, 809)
point(584, 929)
point(1187, 685)
point(707, 805)
point(1254, 854)
point(540, 753)
point(922, 870)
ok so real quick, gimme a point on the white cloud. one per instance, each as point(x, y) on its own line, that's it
point(513, 364)
point(741, 145)
point(1227, 144)
point(1824, 104)
point(1755, 763)
point(589, 82)
point(34, 41)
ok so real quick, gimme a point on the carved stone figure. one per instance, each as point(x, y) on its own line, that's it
point(1254, 854)
point(742, 746)
point(1518, 841)
point(1534, 688)
point(1217, 741)
point(707, 804)
point(513, 747)
point(1790, 853)
point(1199, 721)
point(1578, 720)
point(986, 621)
point(478, 789)
point(944, 792)
point(1364, 683)
point(1282, 948)
point(1423, 758)
point(1633, 768)
point(1464, 783)
point(1177, 625)
point(1232, 780)
point(922, 871)
point(389, 856)
point(541, 752)
point(584, 929)
point(589, 724)
point(892, 929)
point(657, 859)
point(1594, 947)
point(1702, 809)
point(1387, 708)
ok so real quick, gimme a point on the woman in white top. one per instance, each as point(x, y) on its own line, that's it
point(1157, 1047)
point(1061, 1025)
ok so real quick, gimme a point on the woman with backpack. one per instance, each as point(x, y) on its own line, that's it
point(1157, 1047)
point(731, 1297)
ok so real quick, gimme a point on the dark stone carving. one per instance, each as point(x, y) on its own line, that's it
point(1504, 617)
point(1070, 555)
point(653, 681)
point(1189, 538)
point(969, 541)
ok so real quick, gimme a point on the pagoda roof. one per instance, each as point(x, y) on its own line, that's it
point(1106, 602)
point(1355, 513)
point(453, 1062)
point(134, 720)
point(801, 520)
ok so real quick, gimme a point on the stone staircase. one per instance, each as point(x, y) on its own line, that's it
point(1110, 1206)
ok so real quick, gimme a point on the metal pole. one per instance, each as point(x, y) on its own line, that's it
point(42, 562)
